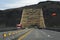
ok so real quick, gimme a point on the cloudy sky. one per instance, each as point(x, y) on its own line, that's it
point(7, 4)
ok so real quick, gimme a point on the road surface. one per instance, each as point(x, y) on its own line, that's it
point(30, 34)
point(41, 34)
point(10, 35)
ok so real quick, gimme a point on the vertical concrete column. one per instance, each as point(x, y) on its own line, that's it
point(42, 23)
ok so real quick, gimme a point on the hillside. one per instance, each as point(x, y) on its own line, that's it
point(11, 17)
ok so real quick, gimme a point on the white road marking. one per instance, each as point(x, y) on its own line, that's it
point(48, 35)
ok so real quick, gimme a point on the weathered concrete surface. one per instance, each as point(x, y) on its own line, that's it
point(32, 16)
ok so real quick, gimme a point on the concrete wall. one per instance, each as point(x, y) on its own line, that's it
point(32, 16)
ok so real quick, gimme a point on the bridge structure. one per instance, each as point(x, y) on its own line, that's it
point(32, 17)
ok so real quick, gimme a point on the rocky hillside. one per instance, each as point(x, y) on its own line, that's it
point(11, 17)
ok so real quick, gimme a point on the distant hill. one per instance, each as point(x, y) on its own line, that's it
point(11, 17)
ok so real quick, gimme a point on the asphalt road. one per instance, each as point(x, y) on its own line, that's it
point(30, 34)
point(41, 34)
point(10, 35)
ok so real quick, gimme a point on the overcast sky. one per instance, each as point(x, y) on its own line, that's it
point(7, 4)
